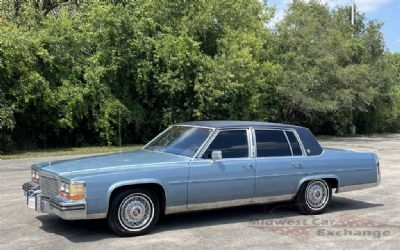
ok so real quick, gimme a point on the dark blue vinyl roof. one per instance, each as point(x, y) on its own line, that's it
point(232, 124)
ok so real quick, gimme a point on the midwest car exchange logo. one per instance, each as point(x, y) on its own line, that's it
point(343, 225)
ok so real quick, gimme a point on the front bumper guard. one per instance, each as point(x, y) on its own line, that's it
point(60, 206)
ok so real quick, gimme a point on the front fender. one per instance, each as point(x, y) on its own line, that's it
point(133, 182)
point(314, 177)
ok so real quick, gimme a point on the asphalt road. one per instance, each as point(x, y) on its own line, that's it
point(365, 219)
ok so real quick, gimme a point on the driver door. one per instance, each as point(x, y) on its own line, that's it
point(228, 181)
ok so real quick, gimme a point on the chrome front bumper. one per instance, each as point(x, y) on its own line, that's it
point(60, 206)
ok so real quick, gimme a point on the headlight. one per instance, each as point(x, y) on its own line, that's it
point(72, 191)
point(35, 175)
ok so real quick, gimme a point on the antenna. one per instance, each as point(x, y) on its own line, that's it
point(119, 130)
point(352, 12)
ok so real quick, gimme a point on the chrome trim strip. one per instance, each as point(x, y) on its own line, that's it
point(249, 143)
point(178, 182)
point(341, 170)
point(176, 209)
point(96, 216)
point(303, 150)
point(68, 207)
point(357, 187)
point(222, 179)
point(202, 147)
point(193, 126)
point(254, 143)
point(287, 140)
point(205, 144)
point(229, 203)
point(223, 159)
point(275, 175)
point(144, 147)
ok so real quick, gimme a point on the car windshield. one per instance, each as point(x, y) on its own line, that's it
point(180, 140)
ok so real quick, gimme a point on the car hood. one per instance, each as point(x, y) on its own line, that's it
point(96, 163)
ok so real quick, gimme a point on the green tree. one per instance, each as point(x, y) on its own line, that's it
point(71, 71)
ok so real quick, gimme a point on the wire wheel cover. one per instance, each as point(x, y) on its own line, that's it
point(317, 194)
point(136, 212)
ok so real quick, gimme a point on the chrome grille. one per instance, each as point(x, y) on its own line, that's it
point(49, 186)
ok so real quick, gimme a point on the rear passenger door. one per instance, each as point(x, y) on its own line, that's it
point(279, 163)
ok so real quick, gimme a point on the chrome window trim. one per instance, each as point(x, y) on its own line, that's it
point(303, 150)
point(205, 144)
point(216, 132)
point(253, 142)
point(287, 140)
point(224, 159)
point(192, 126)
point(249, 144)
point(165, 130)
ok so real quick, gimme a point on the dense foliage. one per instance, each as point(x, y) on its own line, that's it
point(71, 70)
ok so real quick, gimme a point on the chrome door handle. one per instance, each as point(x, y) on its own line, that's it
point(249, 166)
point(297, 164)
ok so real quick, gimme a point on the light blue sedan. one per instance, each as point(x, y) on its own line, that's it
point(199, 165)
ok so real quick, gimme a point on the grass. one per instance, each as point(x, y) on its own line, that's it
point(67, 151)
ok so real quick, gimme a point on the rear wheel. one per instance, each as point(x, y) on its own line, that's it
point(313, 197)
point(133, 212)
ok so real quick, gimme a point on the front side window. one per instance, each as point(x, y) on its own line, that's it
point(180, 140)
point(232, 144)
point(272, 143)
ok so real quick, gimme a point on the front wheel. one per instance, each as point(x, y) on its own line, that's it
point(313, 197)
point(133, 212)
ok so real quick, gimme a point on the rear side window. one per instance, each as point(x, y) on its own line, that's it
point(232, 143)
point(294, 143)
point(272, 143)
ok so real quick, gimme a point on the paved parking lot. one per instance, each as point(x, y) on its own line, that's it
point(362, 219)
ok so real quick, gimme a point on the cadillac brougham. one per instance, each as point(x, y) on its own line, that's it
point(199, 165)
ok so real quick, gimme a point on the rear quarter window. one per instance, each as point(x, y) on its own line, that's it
point(309, 141)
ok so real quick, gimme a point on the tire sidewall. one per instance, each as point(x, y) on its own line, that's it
point(113, 213)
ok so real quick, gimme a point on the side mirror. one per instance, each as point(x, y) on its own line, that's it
point(216, 155)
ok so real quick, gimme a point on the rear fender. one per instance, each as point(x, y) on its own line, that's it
point(315, 177)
